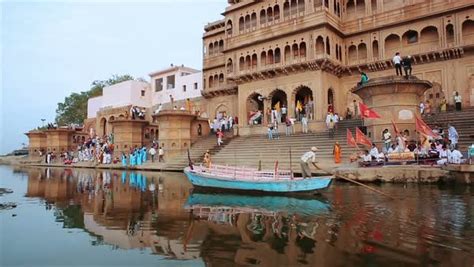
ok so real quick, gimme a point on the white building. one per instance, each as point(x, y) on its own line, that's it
point(180, 82)
point(126, 93)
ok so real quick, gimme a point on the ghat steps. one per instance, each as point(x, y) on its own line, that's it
point(463, 121)
point(250, 150)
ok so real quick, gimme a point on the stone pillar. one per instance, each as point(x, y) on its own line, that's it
point(36, 142)
point(175, 131)
point(128, 134)
point(393, 98)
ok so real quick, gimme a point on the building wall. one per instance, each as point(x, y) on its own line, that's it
point(325, 45)
point(183, 77)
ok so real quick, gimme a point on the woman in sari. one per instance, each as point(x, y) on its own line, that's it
point(337, 153)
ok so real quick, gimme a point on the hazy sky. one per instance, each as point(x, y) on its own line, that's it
point(53, 48)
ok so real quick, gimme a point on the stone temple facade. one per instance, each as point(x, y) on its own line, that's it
point(264, 53)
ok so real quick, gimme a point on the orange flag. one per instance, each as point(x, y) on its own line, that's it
point(368, 113)
point(395, 128)
point(424, 129)
point(362, 139)
point(350, 139)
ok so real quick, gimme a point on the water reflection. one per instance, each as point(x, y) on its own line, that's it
point(348, 226)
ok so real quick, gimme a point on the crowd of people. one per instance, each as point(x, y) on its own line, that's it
point(440, 150)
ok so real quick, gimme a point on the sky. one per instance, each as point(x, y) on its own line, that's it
point(50, 49)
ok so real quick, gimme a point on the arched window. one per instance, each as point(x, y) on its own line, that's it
point(241, 24)
point(277, 55)
point(392, 45)
point(253, 20)
point(375, 49)
point(269, 15)
point(287, 54)
point(328, 46)
point(362, 51)
point(211, 49)
point(450, 33)
point(326, 3)
point(410, 37)
point(247, 22)
point(352, 54)
point(276, 13)
point(263, 17)
point(303, 50)
point(286, 9)
point(429, 35)
point(337, 51)
point(221, 79)
point(216, 80)
point(211, 81)
point(241, 65)
point(294, 7)
point(230, 66)
point(350, 9)
point(248, 62)
point(270, 59)
point(296, 51)
point(374, 6)
point(254, 61)
point(301, 7)
point(319, 45)
point(468, 31)
point(360, 8)
point(229, 27)
point(221, 45)
point(263, 58)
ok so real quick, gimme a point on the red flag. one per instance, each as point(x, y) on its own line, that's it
point(350, 139)
point(362, 139)
point(395, 128)
point(424, 129)
point(368, 113)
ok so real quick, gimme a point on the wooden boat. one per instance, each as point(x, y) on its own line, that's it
point(204, 202)
point(251, 180)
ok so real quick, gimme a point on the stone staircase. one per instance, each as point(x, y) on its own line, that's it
point(250, 150)
point(463, 122)
point(197, 151)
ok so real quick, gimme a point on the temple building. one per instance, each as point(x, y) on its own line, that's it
point(302, 53)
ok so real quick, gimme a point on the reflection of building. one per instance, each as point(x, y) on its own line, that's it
point(293, 52)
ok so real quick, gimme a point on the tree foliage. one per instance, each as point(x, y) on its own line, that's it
point(74, 107)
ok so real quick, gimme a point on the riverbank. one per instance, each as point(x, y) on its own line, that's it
point(382, 174)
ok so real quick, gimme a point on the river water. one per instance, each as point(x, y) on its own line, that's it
point(114, 218)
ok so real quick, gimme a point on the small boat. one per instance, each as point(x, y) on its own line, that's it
point(262, 204)
point(229, 178)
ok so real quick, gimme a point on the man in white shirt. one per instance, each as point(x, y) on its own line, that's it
point(308, 157)
point(284, 111)
point(152, 154)
point(397, 61)
point(422, 107)
point(455, 157)
point(374, 152)
point(443, 155)
point(304, 124)
point(161, 155)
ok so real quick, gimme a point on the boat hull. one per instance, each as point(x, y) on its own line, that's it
point(279, 186)
point(267, 203)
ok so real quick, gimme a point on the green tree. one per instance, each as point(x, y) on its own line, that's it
point(74, 107)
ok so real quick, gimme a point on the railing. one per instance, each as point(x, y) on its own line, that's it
point(243, 172)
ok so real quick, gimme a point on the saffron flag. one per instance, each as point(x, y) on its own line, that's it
point(368, 113)
point(395, 128)
point(424, 129)
point(362, 139)
point(350, 139)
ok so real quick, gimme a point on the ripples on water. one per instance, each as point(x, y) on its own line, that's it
point(91, 217)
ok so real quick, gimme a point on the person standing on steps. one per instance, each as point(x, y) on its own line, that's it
point(152, 152)
point(161, 155)
point(304, 124)
point(207, 159)
point(457, 101)
point(308, 157)
point(337, 151)
point(397, 61)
